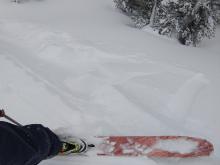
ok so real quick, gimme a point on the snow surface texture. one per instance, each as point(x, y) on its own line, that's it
point(79, 66)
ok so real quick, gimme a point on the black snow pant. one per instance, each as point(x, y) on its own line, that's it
point(27, 145)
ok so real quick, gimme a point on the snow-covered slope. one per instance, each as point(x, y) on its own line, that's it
point(82, 66)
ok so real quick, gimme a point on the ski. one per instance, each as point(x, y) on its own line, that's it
point(155, 146)
point(150, 146)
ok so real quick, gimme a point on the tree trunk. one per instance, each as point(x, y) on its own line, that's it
point(153, 14)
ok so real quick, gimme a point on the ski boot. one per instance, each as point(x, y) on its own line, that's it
point(74, 146)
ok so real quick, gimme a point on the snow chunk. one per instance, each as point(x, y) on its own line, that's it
point(180, 145)
point(165, 2)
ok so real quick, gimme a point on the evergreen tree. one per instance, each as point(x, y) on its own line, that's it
point(216, 8)
point(139, 10)
point(189, 20)
point(198, 25)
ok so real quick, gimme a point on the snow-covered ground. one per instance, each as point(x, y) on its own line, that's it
point(80, 65)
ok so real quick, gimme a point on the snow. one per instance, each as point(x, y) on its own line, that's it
point(181, 145)
point(165, 2)
point(81, 66)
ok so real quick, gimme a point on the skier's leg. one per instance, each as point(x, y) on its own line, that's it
point(26, 145)
point(46, 142)
point(13, 148)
